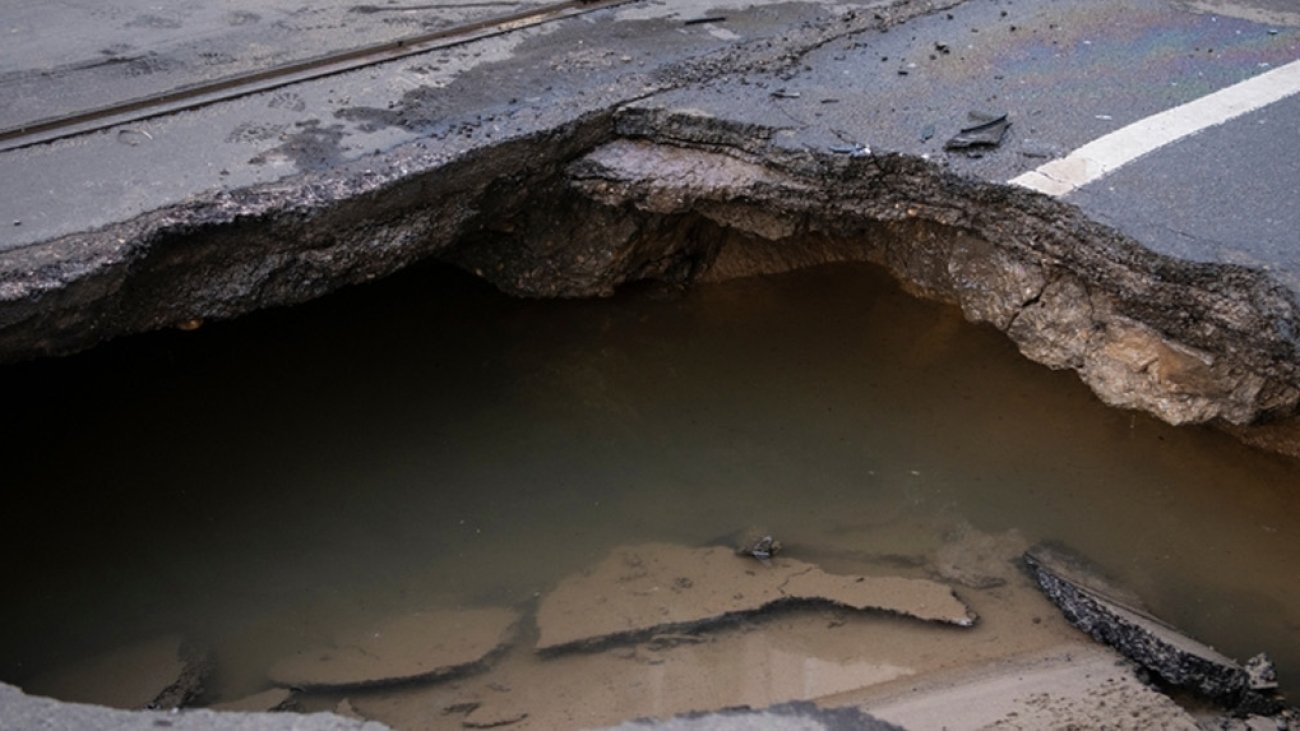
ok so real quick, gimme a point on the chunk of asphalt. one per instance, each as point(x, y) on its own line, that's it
point(987, 131)
point(1087, 602)
point(657, 587)
point(420, 645)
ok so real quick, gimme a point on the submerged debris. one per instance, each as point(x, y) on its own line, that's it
point(1261, 674)
point(418, 645)
point(759, 544)
point(987, 131)
point(653, 588)
point(1125, 625)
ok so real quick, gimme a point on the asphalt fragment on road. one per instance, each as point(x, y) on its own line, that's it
point(985, 132)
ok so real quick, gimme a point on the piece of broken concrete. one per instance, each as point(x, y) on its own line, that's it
point(162, 672)
point(1089, 603)
point(656, 587)
point(419, 645)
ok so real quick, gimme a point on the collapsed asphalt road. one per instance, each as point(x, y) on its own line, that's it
point(824, 128)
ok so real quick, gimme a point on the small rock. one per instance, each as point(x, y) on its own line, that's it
point(757, 543)
point(1261, 673)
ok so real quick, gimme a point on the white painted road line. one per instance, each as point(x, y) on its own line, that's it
point(1112, 151)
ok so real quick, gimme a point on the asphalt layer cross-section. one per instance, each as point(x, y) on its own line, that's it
point(1230, 193)
point(356, 124)
point(1064, 71)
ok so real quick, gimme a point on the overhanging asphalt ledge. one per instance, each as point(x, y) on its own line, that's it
point(279, 197)
point(308, 183)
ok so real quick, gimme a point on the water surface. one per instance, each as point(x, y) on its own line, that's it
point(427, 440)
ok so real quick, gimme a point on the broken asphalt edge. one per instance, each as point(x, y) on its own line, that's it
point(233, 251)
point(1188, 342)
point(1148, 641)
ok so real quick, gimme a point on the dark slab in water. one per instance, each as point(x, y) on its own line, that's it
point(1090, 603)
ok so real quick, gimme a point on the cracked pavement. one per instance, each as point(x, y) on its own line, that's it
point(886, 77)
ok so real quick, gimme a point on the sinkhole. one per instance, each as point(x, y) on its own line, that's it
point(425, 443)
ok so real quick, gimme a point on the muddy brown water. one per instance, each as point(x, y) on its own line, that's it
point(427, 441)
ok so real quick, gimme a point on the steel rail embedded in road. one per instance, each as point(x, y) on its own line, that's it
point(192, 96)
